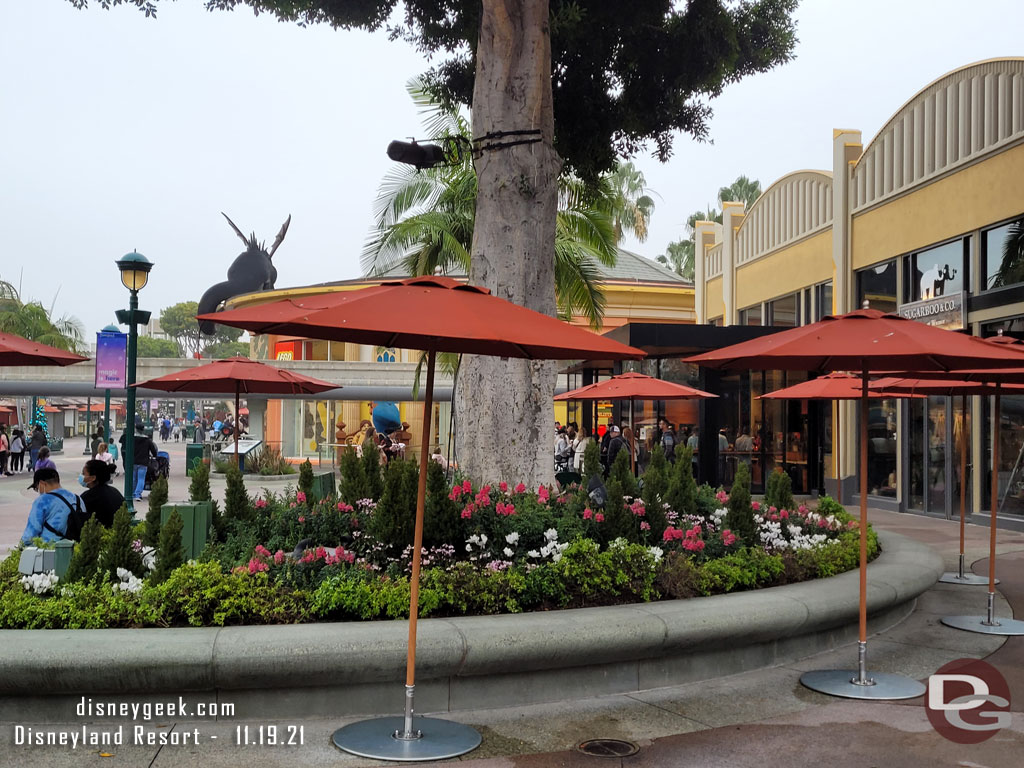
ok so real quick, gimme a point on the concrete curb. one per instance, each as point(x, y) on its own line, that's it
point(462, 663)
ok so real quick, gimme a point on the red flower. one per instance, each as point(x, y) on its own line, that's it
point(520, 488)
point(599, 518)
point(503, 486)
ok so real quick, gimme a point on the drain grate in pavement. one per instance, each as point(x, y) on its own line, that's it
point(607, 748)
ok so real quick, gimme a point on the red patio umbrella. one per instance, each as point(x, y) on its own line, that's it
point(864, 340)
point(433, 314)
point(634, 386)
point(831, 386)
point(14, 350)
point(238, 375)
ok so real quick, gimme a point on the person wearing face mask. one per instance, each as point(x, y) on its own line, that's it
point(48, 518)
point(102, 500)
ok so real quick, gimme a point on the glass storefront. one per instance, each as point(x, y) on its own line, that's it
point(1003, 255)
point(751, 315)
point(877, 286)
point(882, 419)
point(784, 312)
point(823, 300)
point(938, 271)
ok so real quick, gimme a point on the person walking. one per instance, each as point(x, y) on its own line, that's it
point(579, 448)
point(37, 441)
point(5, 450)
point(97, 438)
point(43, 460)
point(17, 452)
point(143, 449)
point(668, 439)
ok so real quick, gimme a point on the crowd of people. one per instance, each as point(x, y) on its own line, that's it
point(571, 442)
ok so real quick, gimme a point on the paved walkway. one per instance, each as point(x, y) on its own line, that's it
point(751, 719)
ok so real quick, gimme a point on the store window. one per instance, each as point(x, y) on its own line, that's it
point(784, 312)
point(882, 448)
point(822, 300)
point(751, 315)
point(1003, 254)
point(877, 286)
point(938, 271)
point(388, 355)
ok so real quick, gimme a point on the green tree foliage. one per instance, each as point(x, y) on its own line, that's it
point(371, 471)
point(306, 479)
point(622, 471)
point(631, 203)
point(352, 486)
point(157, 498)
point(618, 520)
point(655, 491)
point(119, 552)
point(393, 522)
point(681, 493)
point(678, 257)
point(85, 560)
point(32, 321)
point(1011, 267)
point(441, 521)
point(199, 487)
point(237, 505)
point(591, 462)
point(220, 350)
point(171, 552)
point(179, 322)
point(779, 490)
point(743, 190)
point(150, 347)
point(740, 519)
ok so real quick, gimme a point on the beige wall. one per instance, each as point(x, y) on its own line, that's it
point(806, 263)
point(713, 302)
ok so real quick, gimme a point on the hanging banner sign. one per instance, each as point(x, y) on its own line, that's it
point(111, 360)
point(945, 312)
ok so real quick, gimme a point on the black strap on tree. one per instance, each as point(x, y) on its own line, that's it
point(534, 133)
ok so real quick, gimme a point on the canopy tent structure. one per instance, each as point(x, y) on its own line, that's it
point(863, 340)
point(832, 386)
point(432, 314)
point(241, 375)
point(634, 386)
point(14, 350)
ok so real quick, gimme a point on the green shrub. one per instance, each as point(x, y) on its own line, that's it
point(306, 479)
point(393, 522)
point(681, 493)
point(829, 506)
point(591, 462)
point(747, 568)
point(81, 605)
point(618, 520)
point(779, 490)
point(441, 521)
point(370, 462)
point(740, 519)
point(85, 560)
point(468, 590)
point(170, 553)
point(623, 473)
point(677, 576)
point(118, 551)
point(237, 504)
point(352, 486)
point(268, 460)
point(355, 593)
point(157, 498)
point(655, 492)
point(199, 487)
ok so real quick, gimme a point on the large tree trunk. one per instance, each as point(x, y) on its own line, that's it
point(504, 407)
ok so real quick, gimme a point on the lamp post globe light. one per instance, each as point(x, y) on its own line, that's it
point(134, 268)
point(106, 393)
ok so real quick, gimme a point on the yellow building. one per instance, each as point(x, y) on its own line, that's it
point(635, 289)
point(924, 219)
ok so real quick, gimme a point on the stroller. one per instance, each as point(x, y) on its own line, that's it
point(158, 467)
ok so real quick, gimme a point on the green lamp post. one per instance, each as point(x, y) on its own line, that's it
point(134, 268)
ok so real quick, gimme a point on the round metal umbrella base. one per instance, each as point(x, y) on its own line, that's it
point(980, 624)
point(376, 739)
point(839, 682)
point(968, 579)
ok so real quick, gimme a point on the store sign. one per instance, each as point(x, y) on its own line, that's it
point(945, 312)
point(111, 356)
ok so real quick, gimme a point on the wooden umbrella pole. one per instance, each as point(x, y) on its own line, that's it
point(632, 439)
point(862, 678)
point(238, 456)
point(963, 477)
point(990, 620)
point(414, 584)
point(836, 446)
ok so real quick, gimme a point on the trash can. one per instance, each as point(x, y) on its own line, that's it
point(196, 452)
point(190, 432)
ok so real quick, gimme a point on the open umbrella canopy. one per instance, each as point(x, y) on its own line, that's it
point(943, 387)
point(634, 386)
point(865, 338)
point(14, 350)
point(238, 374)
point(831, 386)
point(427, 313)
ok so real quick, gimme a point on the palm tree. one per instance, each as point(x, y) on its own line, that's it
point(743, 190)
point(678, 256)
point(1011, 269)
point(34, 322)
point(423, 221)
point(631, 203)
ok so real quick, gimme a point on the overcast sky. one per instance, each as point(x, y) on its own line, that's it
point(120, 132)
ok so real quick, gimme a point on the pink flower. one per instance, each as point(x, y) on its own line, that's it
point(279, 557)
point(542, 495)
point(774, 518)
point(467, 487)
point(588, 513)
point(456, 492)
point(756, 506)
point(503, 486)
point(343, 507)
point(802, 509)
point(302, 519)
point(784, 515)
point(598, 518)
point(262, 551)
point(728, 537)
point(722, 497)
point(467, 513)
point(520, 488)
point(822, 522)
point(256, 565)
point(260, 503)
point(645, 526)
point(300, 497)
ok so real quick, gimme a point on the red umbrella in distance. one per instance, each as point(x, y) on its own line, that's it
point(238, 375)
point(433, 314)
point(634, 386)
point(863, 340)
point(831, 386)
point(14, 350)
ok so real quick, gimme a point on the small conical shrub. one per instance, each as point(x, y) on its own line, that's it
point(393, 522)
point(682, 488)
point(199, 488)
point(740, 519)
point(85, 560)
point(591, 463)
point(157, 498)
point(655, 491)
point(371, 471)
point(442, 523)
point(237, 505)
point(170, 553)
point(306, 479)
point(779, 490)
point(352, 486)
point(618, 521)
point(119, 552)
point(623, 473)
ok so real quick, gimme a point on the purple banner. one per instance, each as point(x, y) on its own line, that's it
point(111, 357)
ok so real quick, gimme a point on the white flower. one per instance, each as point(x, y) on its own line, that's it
point(533, 553)
point(512, 538)
point(40, 583)
point(508, 552)
point(469, 547)
point(657, 553)
point(483, 540)
point(551, 534)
